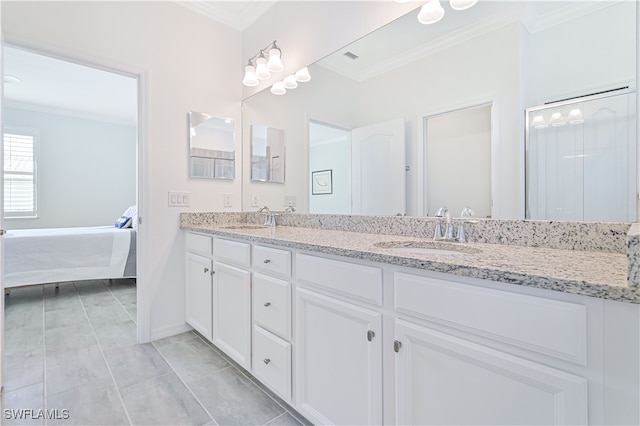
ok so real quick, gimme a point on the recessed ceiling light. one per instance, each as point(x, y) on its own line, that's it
point(11, 79)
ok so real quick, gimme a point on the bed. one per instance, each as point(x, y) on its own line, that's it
point(41, 256)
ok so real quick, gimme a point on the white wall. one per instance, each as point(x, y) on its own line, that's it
point(188, 63)
point(86, 169)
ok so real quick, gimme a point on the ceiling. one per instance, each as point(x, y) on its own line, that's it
point(74, 89)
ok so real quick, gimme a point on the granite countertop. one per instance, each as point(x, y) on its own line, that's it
point(588, 273)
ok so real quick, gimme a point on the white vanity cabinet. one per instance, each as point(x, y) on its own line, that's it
point(451, 366)
point(272, 318)
point(231, 301)
point(338, 341)
point(199, 269)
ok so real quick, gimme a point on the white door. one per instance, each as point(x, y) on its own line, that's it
point(338, 361)
point(458, 161)
point(198, 312)
point(442, 379)
point(378, 169)
point(232, 312)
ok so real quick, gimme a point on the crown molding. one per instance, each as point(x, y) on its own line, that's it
point(239, 20)
point(537, 23)
point(26, 106)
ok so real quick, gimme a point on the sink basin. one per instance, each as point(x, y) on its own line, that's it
point(245, 227)
point(426, 247)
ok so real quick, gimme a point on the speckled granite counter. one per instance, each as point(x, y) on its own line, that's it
point(601, 274)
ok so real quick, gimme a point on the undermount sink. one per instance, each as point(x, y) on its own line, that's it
point(426, 247)
point(245, 227)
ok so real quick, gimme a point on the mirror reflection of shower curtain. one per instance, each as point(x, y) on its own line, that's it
point(582, 160)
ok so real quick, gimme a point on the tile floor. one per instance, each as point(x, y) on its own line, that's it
point(75, 349)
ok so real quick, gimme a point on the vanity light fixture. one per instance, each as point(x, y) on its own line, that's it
point(557, 120)
point(576, 116)
point(539, 122)
point(462, 4)
point(262, 64)
point(432, 11)
point(302, 75)
point(278, 88)
point(290, 82)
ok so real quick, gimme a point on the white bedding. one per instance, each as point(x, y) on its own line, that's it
point(37, 256)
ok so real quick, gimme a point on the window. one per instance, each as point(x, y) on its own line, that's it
point(19, 174)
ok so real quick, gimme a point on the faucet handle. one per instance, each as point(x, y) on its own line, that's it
point(467, 212)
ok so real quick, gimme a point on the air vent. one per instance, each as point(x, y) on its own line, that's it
point(351, 55)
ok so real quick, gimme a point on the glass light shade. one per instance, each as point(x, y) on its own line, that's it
point(262, 72)
point(431, 12)
point(576, 116)
point(538, 122)
point(557, 120)
point(278, 88)
point(302, 75)
point(462, 4)
point(274, 64)
point(290, 82)
point(250, 78)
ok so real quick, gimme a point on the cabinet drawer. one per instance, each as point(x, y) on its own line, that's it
point(232, 251)
point(550, 327)
point(272, 260)
point(272, 361)
point(272, 304)
point(357, 281)
point(200, 244)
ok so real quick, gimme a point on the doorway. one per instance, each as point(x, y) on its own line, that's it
point(81, 167)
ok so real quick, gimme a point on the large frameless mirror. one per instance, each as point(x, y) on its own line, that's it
point(211, 147)
point(267, 154)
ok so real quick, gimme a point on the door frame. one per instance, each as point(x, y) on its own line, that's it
point(143, 295)
point(421, 149)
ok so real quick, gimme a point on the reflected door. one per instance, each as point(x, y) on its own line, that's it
point(458, 161)
point(378, 166)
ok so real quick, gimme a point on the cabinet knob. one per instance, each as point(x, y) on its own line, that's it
point(370, 335)
point(267, 261)
point(267, 304)
point(266, 360)
point(397, 345)
point(206, 270)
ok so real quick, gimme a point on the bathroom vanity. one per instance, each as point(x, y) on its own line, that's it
point(367, 328)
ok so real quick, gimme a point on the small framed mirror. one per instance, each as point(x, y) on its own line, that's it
point(211, 147)
point(267, 154)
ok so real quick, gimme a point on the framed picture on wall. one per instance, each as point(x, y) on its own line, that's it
point(321, 182)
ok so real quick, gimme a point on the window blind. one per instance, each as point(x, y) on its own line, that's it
point(19, 175)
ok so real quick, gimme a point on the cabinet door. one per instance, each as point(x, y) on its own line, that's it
point(198, 296)
point(442, 379)
point(232, 312)
point(338, 361)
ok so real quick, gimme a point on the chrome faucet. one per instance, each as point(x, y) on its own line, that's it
point(466, 212)
point(290, 209)
point(269, 219)
point(448, 230)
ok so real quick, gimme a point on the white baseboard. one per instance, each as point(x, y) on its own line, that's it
point(170, 330)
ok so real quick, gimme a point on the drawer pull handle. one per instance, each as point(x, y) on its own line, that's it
point(370, 335)
point(396, 346)
point(267, 261)
point(267, 304)
point(266, 360)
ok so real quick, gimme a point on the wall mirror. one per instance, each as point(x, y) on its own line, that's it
point(211, 147)
point(267, 154)
point(507, 55)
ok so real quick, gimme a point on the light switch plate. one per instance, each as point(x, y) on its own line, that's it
point(255, 200)
point(179, 199)
point(227, 200)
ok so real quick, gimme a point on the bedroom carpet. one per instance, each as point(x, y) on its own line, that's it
point(71, 355)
